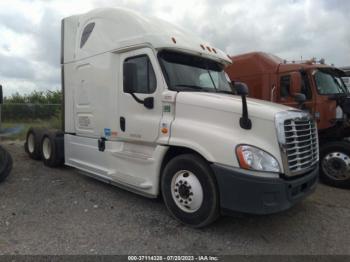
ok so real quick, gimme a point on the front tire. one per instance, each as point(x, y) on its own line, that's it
point(189, 190)
point(335, 164)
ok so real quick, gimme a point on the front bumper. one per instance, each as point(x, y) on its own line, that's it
point(256, 195)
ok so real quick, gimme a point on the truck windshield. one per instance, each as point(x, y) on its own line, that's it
point(329, 84)
point(184, 72)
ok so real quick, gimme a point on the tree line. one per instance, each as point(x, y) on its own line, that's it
point(38, 105)
point(36, 97)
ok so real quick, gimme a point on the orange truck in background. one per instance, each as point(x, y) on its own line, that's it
point(315, 87)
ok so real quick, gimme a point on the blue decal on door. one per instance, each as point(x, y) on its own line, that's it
point(107, 132)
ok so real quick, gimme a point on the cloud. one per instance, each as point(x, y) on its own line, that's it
point(21, 75)
point(16, 67)
point(47, 38)
point(30, 31)
point(288, 29)
point(15, 21)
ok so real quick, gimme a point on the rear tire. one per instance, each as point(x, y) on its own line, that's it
point(335, 164)
point(189, 190)
point(52, 148)
point(33, 143)
point(5, 164)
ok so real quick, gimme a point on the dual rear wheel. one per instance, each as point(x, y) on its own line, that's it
point(45, 145)
point(33, 143)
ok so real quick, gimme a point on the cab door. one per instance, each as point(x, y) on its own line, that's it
point(136, 121)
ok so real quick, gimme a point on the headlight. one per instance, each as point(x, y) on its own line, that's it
point(253, 158)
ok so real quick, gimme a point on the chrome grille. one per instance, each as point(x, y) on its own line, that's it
point(299, 142)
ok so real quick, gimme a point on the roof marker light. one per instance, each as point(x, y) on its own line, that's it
point(208, 48)
point(202, 46)
point(214, 50)
point(174, 40)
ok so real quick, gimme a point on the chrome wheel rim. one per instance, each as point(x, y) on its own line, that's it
point(187, 191)
point(46, 148)
point(30, 143)
point(336, 165)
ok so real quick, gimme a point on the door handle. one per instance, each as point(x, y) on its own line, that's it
point(122, 123)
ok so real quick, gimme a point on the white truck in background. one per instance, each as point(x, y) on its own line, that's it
point(346, 78)
point(148, 107)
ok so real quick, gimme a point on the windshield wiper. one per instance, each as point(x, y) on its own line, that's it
point(224, 92)
point(212, 80)
point(192, 86)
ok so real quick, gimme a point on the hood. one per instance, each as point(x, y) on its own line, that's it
point(231, 103)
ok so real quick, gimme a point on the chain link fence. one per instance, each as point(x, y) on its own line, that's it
point(17, 118)
point(29, 112)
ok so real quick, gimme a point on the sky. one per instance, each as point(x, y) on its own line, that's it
point(291, 29)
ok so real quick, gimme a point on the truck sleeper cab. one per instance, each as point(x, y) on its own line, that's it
point(326, 98)
point(148, 107)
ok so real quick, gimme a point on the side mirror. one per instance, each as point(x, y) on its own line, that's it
point(1, 95)
point(299, 98)
point(241, 88)
point(295, 86)
point(148, 102)
point(130, 78)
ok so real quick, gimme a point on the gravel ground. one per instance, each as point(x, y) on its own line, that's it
point(59, 211)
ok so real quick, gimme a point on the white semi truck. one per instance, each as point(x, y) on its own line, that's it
point(148, 107)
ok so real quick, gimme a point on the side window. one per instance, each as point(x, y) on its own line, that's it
point(285, 85)
point(86, 34)
point(146, 79)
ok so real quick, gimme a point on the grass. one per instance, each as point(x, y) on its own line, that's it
point(53, 123)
